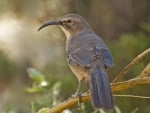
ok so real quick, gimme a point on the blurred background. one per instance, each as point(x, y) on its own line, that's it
point(123, 24)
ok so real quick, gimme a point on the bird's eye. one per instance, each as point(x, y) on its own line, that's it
point(69, 21)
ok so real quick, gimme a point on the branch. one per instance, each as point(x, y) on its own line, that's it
point(119, 86)
point(116, 86)
point(132, 63)
point(146, 71)
point(133, 96)
point(69, 103)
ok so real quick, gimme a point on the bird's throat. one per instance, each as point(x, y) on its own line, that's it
point(67, 33)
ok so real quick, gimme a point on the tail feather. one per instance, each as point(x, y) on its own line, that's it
point(100, 88)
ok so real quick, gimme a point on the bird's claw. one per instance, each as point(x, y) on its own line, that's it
point(78, 94)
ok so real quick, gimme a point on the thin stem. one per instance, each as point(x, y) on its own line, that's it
point(133, 96)
point(131, 64)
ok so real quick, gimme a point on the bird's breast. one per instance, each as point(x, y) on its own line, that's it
point(80, 72)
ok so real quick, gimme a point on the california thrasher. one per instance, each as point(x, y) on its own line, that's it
point(88, 58)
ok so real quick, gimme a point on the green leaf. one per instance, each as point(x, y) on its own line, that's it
point(135, 110)
point(35, 75)
point(102, 111)
point(117, 109)
point(56, 88)
point(43, 110)
point(34, 89)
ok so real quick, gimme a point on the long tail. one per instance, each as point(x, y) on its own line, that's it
point(100, 88)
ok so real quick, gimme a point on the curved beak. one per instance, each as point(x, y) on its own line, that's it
point(53, 22)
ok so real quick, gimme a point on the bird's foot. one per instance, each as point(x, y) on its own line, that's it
point(78, 95)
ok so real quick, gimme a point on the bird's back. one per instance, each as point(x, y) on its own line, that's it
point(87, 46)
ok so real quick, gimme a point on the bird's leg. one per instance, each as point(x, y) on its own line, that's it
point(78, 88)
point(78, 93)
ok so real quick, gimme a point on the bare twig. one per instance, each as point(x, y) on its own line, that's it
point(131, 64)
point(146, 71)
point(119, 86)
point(133, 96)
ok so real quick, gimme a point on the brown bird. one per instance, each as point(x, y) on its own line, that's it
point(88, 58)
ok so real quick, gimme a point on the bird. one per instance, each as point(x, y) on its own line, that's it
point(88, 58)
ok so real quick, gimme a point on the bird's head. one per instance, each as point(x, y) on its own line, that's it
point(71, 24)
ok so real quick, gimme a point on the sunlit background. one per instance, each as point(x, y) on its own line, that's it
point(123, 24)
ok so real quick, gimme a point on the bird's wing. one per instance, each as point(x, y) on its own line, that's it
point(83, 56)
point(88, 51)
point(105, 54)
